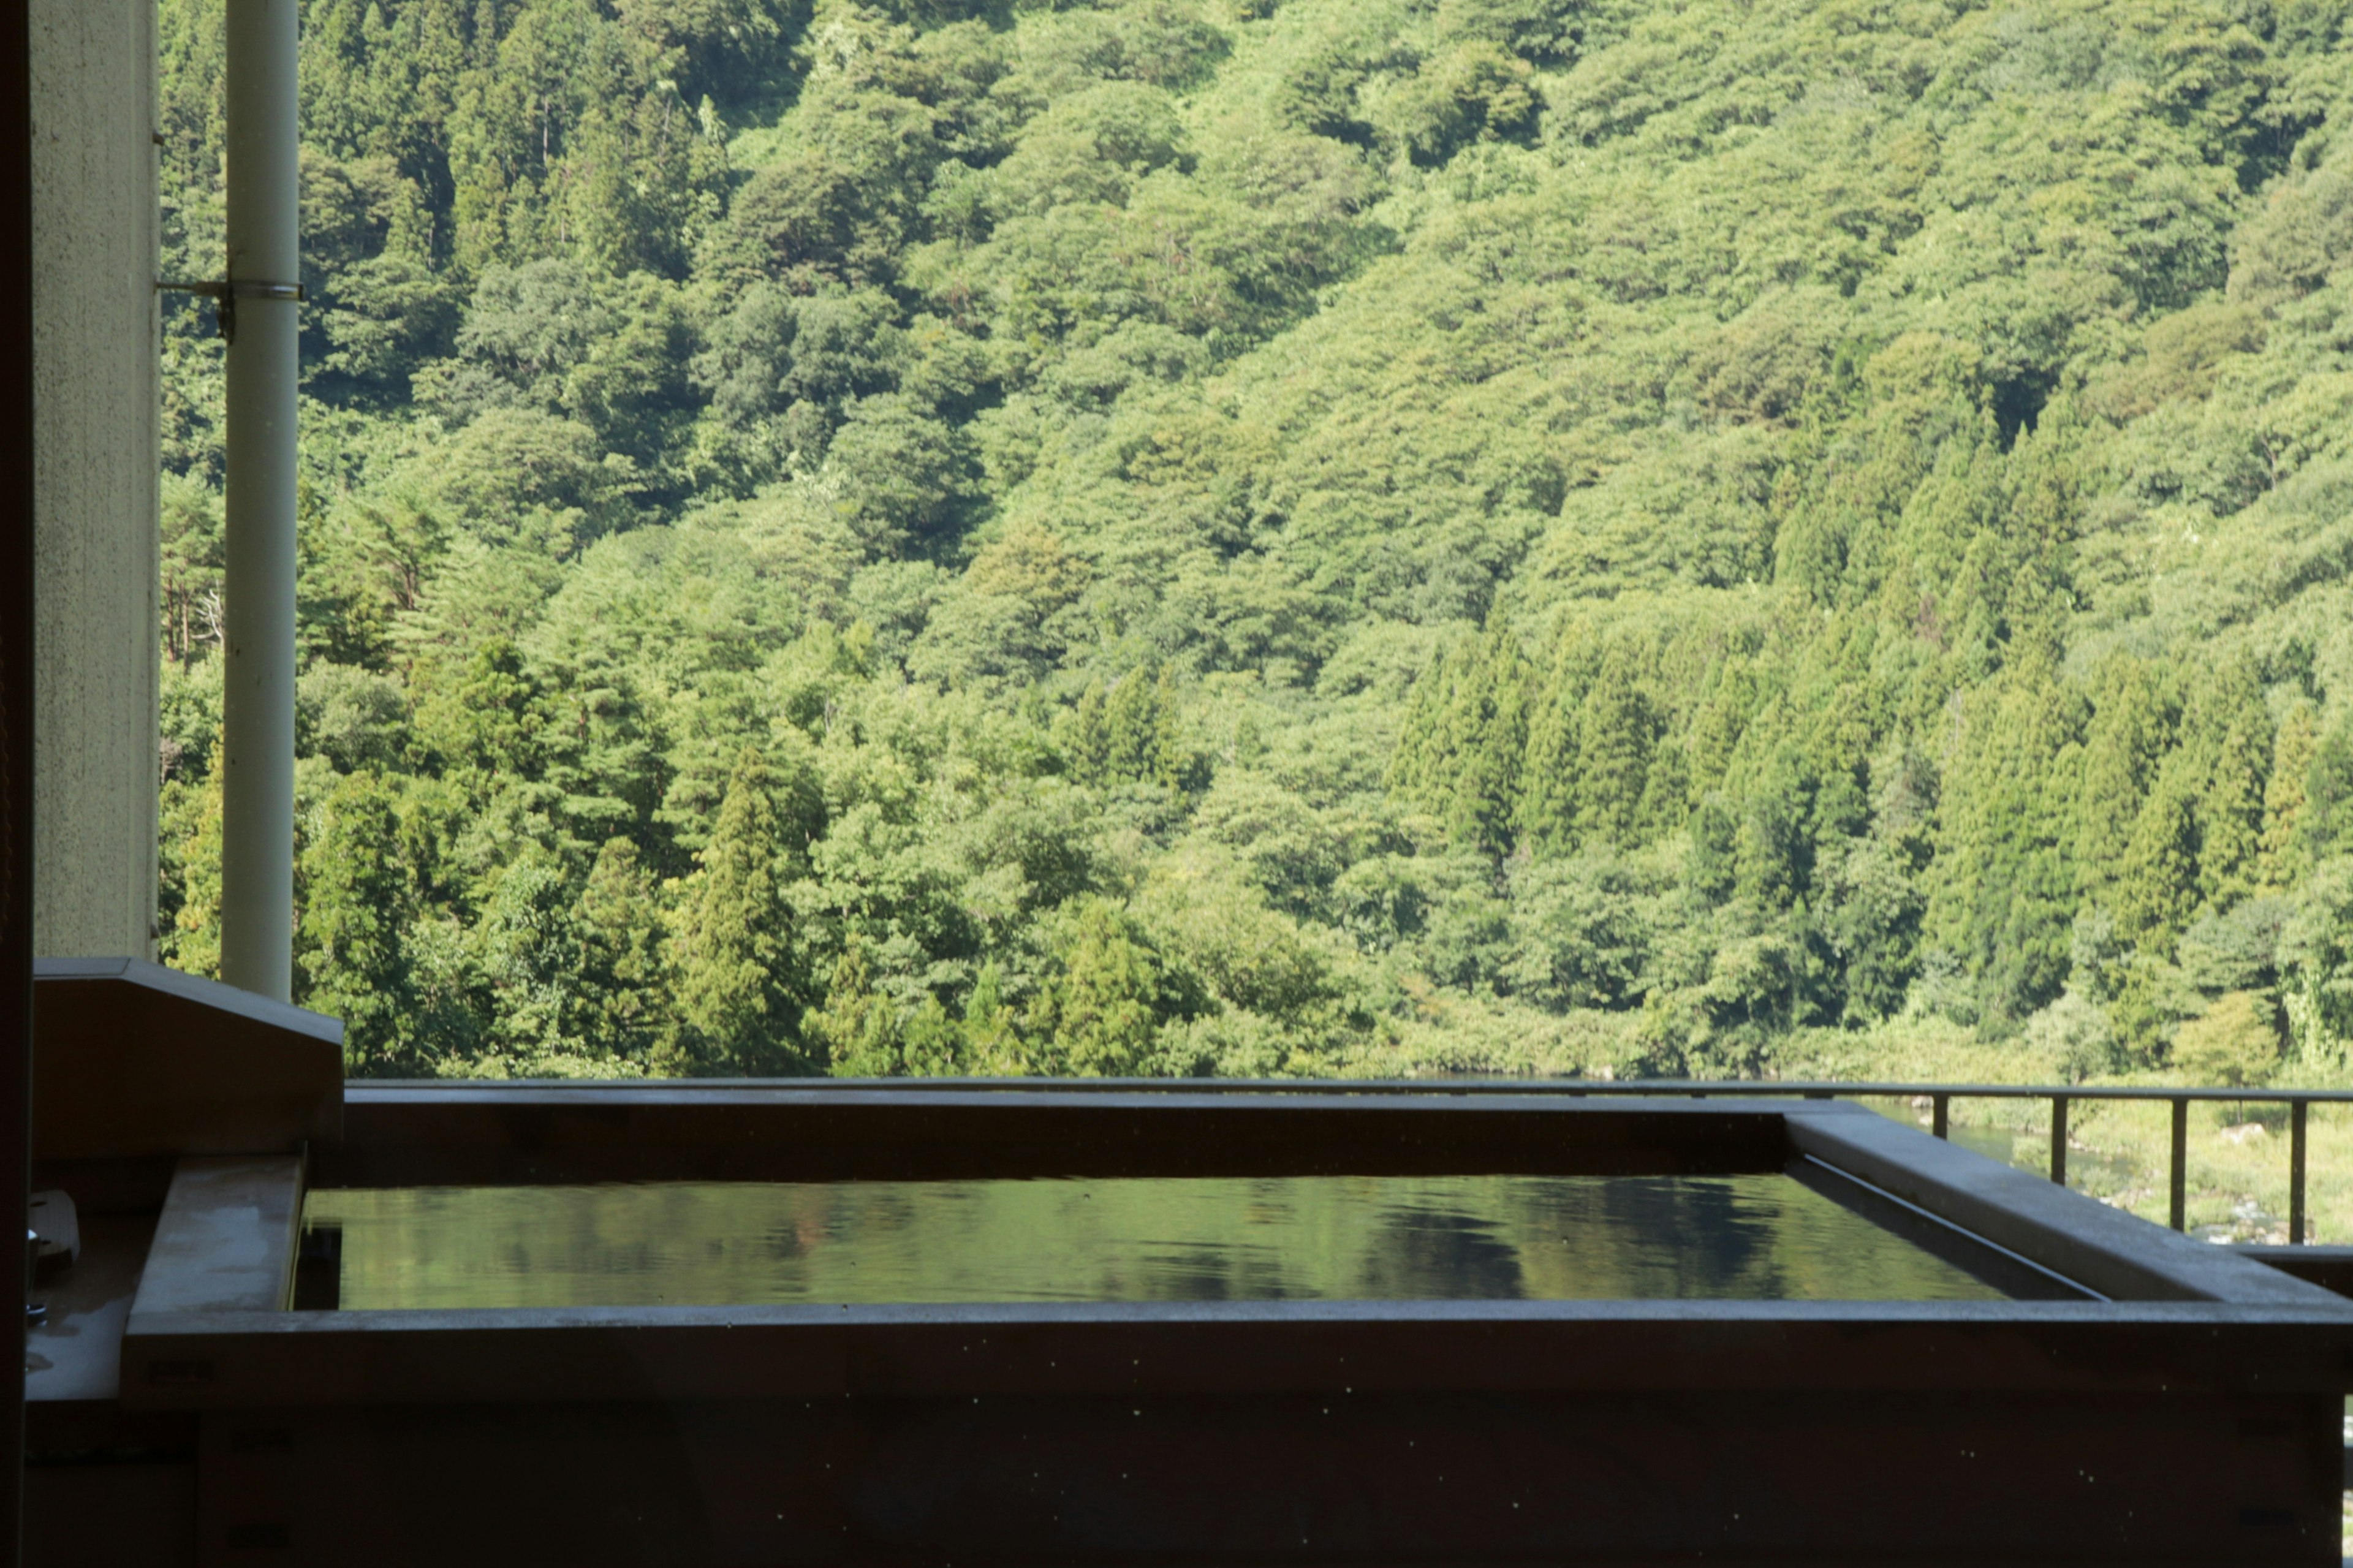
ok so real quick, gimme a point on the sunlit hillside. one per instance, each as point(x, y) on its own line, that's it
point(1268, 536)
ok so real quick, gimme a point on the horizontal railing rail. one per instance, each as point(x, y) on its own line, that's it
point(1939, 1096)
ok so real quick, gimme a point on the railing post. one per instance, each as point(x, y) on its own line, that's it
point(2295, 1116)
point(2181, 1164)
point(2059, 1138)
point(1939, 1119)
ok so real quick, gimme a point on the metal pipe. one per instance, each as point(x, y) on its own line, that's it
point(2059, 1138)
point(257, 695)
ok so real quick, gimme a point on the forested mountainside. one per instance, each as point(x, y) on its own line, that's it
point(1265, 536)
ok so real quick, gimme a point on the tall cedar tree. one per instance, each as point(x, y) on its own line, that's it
point(2293, 748)
point(2003, 898)
point(2122, 747)
point(356, 914)
point(731, 949)
point(1459, 756)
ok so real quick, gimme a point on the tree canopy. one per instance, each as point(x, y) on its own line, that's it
point(1258, 536)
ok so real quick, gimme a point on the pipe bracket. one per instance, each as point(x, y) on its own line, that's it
point(225, 294)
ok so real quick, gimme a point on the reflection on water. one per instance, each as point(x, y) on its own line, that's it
point(1156, 1239)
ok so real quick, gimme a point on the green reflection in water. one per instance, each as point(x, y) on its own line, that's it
point(1156, 1240)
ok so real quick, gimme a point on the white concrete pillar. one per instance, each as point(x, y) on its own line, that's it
point(95, 384)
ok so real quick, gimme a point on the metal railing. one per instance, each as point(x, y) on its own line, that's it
point(1939, 1096)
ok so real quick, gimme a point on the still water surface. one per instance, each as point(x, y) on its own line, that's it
point(1138, 1239)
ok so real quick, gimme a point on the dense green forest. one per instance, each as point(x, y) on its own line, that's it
point(1272, 536)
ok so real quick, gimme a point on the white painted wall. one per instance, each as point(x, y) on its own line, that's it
point(95, 388)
